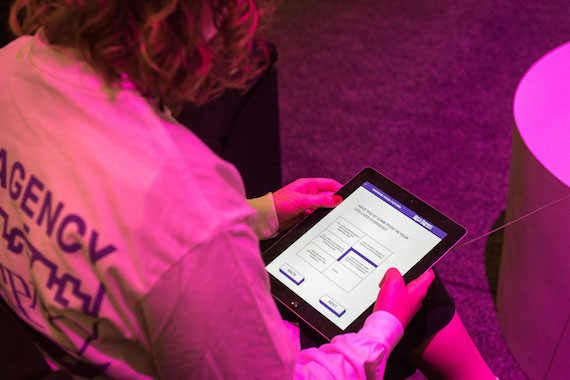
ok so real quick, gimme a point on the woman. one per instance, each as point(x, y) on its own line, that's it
point(128, 243)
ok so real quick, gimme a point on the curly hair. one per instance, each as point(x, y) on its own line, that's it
point(157, 45)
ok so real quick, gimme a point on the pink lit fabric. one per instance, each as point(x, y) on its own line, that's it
point(130, 244)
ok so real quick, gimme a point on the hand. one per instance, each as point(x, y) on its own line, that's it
point(294, 201)
point(402, 301)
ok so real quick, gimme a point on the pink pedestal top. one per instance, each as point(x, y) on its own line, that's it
point(542, 111)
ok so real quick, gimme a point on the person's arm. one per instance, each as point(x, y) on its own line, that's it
point(212, 316)
point(353, 356)
point(266, 223)
point(364, 355)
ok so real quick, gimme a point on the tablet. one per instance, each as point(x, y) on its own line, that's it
point(327, 269)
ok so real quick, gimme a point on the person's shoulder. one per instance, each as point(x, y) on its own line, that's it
point(194, 198)
point(11, 46)
point(10, 52)
point(209, 186)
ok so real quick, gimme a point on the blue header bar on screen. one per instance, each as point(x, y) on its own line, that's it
point(404, 210)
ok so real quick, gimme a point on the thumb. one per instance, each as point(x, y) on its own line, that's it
point(391, 275)
point(421, 284)
point(320, 200)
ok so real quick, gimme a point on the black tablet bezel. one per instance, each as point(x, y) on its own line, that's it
point(312, 316)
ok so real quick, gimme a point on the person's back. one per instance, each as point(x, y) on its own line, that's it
point(99, 200)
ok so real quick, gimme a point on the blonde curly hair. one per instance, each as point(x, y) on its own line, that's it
point(158, 45)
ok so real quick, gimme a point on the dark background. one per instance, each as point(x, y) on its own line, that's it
point(423, 92)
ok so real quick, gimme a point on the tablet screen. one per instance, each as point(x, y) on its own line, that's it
point(336, 266)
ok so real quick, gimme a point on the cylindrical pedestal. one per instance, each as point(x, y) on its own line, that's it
point(533, 299)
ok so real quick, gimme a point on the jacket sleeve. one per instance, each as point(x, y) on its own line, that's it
point(361, 355)
point(211, 315)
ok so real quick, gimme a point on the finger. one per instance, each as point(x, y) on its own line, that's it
point(420, 285)
point(310, 201)
point(312, 190)
point(328, 192)
point(322, 184)
point(391, 275)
